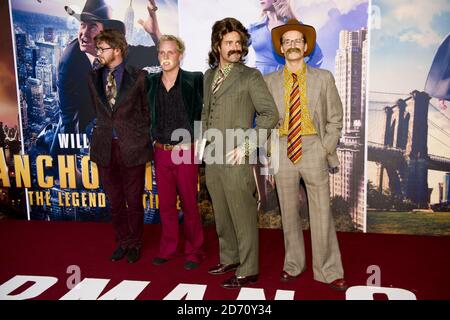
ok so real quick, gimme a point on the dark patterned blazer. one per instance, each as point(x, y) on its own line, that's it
point(130, 117)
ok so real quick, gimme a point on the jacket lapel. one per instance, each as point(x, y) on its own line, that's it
point(230, 79)
point(98, 80)
point(128, 80)
point(207, 88)
point(312, 90)
point(279, 92)
point(187, 90)
point(153, 87)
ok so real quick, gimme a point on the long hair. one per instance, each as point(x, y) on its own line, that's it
point(219, 30)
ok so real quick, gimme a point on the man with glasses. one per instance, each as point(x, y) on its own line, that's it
point(79, 58)
point(310, 126)
point(121, 143)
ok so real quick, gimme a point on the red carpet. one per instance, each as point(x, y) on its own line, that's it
point(419, 264)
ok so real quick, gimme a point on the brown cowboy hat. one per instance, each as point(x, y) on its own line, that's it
point(308, 32)
point(99, 11)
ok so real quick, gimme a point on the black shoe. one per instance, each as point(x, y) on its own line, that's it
point(339, 284)
point(157, 261)
point(189, 265)
point(238, 282)
point(118, 254)
point(133, 254)
point(223, 268)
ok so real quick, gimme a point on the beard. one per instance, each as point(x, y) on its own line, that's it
point(105, 60)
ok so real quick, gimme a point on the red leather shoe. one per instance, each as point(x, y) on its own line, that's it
point(223, 268)
point(339, 284)
point(238, 282)
point(286, 277)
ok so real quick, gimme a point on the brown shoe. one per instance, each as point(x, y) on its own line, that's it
point(238, 282)
point(223, 268)
point(339, 284)
point(286, 277)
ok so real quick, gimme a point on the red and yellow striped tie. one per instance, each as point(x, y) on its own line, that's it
point(294, 147)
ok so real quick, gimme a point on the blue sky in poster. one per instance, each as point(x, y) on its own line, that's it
point(327, 16)
point(338, 18)
point(404, 43)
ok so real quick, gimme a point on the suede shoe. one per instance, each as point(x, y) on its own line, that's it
point(189, 265)
point(118, 253)
point(157, 261)
point(133, 254)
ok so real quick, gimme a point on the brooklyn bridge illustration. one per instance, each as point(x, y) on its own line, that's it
point(403, 155)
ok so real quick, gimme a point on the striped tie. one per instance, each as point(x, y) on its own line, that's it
point(218, 82)
point(294, 148)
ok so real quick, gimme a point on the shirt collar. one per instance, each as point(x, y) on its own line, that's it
point(300, 72)
point(177, 80)
point(227, 68)
point(117, 68)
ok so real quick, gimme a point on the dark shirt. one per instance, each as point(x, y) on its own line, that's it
point(171, 114)
point(118, 74)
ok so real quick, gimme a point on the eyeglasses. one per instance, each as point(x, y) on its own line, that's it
point(101, 50)
point(289, 42)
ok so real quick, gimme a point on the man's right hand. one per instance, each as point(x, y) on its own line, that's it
point(151, 23)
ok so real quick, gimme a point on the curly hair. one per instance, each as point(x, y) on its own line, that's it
point(219, 30)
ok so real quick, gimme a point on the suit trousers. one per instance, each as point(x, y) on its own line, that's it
point(313, 168)
point(232, 190)
point(124, 187)
point(181, 178)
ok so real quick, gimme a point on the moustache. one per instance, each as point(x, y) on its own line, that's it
point(231, 52)
point(166, 61)
point(293, 50)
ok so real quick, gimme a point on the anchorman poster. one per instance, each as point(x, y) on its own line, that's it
point(52, 56)
point(57, 118)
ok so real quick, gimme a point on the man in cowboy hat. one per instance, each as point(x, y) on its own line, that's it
point(79, 58)
point(310, 126)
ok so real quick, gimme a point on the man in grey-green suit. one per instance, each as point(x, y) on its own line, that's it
point(232, 95)
point(309, 129)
